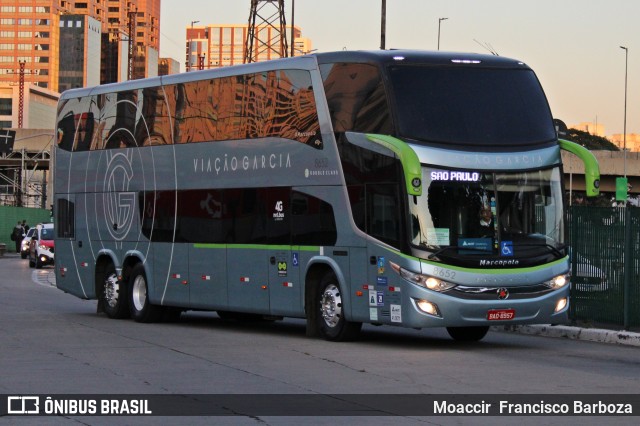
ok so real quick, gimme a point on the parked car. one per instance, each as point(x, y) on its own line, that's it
point(41, 246)
point(24, 245)
point(588, 276)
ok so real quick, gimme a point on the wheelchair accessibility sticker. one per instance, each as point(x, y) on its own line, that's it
point(506, 248)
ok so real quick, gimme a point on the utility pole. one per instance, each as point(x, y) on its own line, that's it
point(293, 36)
point(131, 29)
point(21, 95)
point(266, 17)
point(383, 25)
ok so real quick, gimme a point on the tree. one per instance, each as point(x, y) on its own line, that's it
point(590, 141)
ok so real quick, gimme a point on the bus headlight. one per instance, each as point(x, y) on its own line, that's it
point(428, 307)
point(558, 282)
point(425, 281)
point(561, 304)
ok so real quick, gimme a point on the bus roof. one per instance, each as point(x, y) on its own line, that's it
point(419, 57)
point(380, 57)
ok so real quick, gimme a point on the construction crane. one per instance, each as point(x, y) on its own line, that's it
point(267, 31)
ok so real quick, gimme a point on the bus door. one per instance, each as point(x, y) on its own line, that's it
point(81, 249)
point(170, 255)
point(384, 223)
point(73, 257)
point(171, 274)
point(284, 262)
point(245, 212)
point(202, 226)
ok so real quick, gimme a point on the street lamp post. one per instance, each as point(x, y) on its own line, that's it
point(439, 22)
point(624, 130)
point(190, 35)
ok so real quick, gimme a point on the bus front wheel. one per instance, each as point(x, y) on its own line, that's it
point(141, 309)
point(467, 334)
point(331, 322)
point(113, 294)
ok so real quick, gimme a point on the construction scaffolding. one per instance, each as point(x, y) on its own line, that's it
point(24, 172)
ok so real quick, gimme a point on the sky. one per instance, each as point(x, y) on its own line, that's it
point(572, 45)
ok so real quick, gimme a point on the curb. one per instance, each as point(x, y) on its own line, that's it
point(626, 338)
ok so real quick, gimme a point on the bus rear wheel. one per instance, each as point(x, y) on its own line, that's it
point(467, 334)
point(141, 309)
point(331, 323)
point(113, 294)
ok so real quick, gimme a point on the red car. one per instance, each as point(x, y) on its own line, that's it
point(41, 246)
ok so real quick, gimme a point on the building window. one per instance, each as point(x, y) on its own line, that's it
point(6, 106)
point(6, 124)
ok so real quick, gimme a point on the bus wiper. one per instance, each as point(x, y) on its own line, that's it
point(443, 249)
point(551, 248)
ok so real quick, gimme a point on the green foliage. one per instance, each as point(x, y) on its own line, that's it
point(589, 141)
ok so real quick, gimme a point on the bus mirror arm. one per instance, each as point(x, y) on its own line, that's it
point(591, 167)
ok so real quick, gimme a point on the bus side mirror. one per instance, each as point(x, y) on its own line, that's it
point(591, 167)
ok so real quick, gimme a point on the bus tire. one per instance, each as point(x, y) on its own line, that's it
point(331, 322)
point(467, 334)
point(113, 294)
point(141, 309)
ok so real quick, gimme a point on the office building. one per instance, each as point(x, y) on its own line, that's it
point(80, 40)
point(38, 106)
point(214, 46)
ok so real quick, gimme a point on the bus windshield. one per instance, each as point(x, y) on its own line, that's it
point(465, 105)
point(466, 215)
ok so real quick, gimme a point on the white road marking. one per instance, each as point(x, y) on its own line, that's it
point(46, 278)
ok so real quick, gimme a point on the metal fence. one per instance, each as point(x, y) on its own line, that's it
point(605, 259)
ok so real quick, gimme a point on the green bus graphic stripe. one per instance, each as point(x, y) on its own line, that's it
point(255, 247)
point(501, 271)
point(408, 158)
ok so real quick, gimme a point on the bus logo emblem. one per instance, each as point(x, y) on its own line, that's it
point(282, 269)
point(119, 205)
point(503, 293)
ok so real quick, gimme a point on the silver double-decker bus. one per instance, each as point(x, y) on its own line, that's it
point(407, 188)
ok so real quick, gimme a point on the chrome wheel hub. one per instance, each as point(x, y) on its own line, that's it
point(112, 290)
point(331, 305)
point(139, 292)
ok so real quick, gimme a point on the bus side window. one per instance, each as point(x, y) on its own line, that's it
point(356, 98)
point(313, 221)
point(383, 213)
point(245, 215)
point(65, 218)
point(278, 216)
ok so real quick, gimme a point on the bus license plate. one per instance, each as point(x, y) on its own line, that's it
point(501, 314)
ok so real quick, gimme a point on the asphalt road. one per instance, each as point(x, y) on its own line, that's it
point(54, 343)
